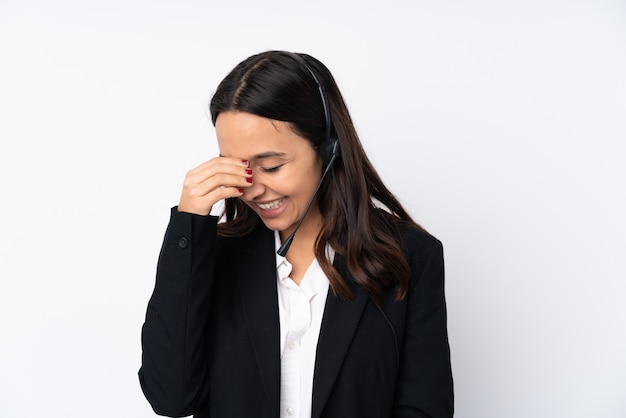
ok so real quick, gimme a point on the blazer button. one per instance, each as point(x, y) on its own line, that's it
point(183, 242)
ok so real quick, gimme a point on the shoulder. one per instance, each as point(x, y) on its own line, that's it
point(419, 245)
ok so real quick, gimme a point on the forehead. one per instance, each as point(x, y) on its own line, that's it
point(245, 135)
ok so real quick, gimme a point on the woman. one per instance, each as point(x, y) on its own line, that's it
point(345, 318)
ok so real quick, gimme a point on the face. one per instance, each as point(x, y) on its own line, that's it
point(286, 168)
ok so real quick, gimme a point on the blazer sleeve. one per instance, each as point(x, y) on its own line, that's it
point(425, 387)
point(174, 371)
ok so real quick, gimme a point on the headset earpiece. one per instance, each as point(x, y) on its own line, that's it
point(329, 151)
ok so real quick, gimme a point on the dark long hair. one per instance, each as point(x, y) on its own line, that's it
point(277, 86)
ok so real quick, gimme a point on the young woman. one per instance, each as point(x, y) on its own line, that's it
point(316, 295)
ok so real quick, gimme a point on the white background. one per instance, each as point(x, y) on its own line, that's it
point(501, 125)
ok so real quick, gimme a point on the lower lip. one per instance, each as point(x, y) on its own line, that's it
point(272, 213)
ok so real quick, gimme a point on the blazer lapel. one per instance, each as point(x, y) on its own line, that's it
point(339, 323)
point(256, 283)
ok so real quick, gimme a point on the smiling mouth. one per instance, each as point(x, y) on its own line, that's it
point(271, 205)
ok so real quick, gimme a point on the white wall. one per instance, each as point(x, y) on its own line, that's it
point(501, 125)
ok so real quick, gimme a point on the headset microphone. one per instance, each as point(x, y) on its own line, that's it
point(282, 251)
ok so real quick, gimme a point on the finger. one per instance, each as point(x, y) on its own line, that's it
point(202, 205)
point(200, 197)
point(212, 183)
point(227, 164)
point(216, 168)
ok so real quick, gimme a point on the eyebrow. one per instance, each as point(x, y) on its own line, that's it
point(268, 154)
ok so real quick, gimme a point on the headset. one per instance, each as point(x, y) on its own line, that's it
point(329, 148)
point(329, 152)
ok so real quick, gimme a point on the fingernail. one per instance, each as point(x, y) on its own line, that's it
point(249, 179)
point(244, 162)
point(248, 171)
point(240, 190)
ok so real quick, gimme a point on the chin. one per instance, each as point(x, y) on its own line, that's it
point(276, 225)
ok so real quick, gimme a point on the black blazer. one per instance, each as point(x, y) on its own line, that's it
point(211, 335)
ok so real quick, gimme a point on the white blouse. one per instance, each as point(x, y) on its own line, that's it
point(300, 311)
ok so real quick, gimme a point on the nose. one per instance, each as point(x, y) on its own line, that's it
point(255, 190)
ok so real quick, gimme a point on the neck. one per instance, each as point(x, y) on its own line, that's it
point(305, 236)
point(301, 253)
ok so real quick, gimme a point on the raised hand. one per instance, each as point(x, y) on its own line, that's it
point(212, 181)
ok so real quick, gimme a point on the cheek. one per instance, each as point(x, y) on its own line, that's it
point(290, 181)
point(304, 182)
point(293, 180)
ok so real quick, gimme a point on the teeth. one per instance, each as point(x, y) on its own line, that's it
point(270, 205)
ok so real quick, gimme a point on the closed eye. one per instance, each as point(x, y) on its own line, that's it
point(271, 169)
